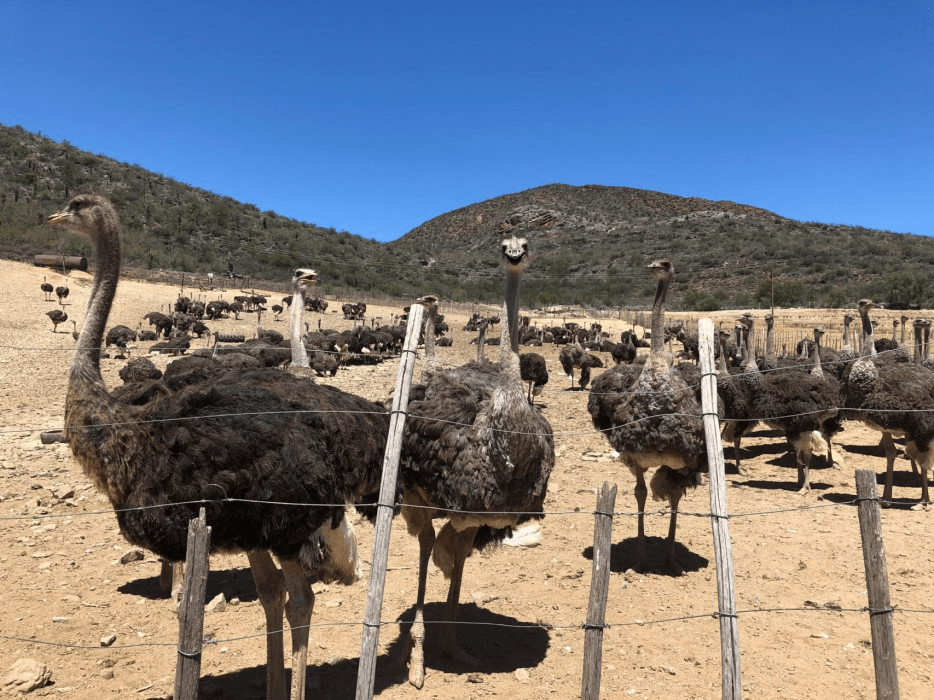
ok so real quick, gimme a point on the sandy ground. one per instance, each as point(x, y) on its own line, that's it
point(798, 563)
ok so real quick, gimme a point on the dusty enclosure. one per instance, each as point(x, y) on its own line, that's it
point(799, 568)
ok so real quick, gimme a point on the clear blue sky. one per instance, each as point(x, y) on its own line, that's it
point(373, 117)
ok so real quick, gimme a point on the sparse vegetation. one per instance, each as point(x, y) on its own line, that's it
point(589, 243)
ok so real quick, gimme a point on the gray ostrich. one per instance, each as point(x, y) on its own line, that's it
point(652, 418)
point(47, 289)
point(266, 436)
point(895, 398)
point(474, 452)
point(805, 406)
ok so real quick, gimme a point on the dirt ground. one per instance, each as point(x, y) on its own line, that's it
point(798, 564)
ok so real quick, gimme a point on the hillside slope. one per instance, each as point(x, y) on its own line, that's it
point(589, 243)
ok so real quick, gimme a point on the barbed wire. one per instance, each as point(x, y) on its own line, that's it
point(546, 626)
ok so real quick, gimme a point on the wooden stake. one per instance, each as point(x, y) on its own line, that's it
point(191, 609)
point(731, 686)
point(877, 586)
point(599, 590)
point(366, 672)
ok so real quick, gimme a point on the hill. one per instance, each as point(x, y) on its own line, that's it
point(590, 243)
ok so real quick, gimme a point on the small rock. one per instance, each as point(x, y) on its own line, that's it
point(108, 639)
point(25, 675)
point(218, 604)
point(522, 675)
point(474, 678)
point(132, 555)
point(107, 673)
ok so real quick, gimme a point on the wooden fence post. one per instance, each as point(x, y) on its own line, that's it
point(731, 686)
point(366, 671)
point(599, 589)
point(877, 585)
point(191, 609)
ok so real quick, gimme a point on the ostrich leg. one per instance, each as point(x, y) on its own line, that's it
point(890, 452)
point(641, 492)
point(674, 499)
point(462, 547)
point(416, 643)
point(270, 589)
point(298, 609)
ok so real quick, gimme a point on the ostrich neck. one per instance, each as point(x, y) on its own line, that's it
point(769, 342)
point(816, 367)
point(749, 361)
point(299, 354)
point(103, 290)
point(509, 339)
point(846, 332)
point(658, 318)
point(430, 333)
point(867, 344)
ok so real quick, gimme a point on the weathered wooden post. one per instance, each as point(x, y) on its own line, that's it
point(366, 672)
point(726, 593)
point(191, 610)
point(877, 585)
point(599, 590)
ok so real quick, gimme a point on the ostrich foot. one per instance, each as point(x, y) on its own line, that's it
point(921, 506)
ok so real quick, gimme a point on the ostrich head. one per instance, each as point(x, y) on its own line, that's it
point(303, 280)
point(83, 216)
point(515, 251)
point(661, 270)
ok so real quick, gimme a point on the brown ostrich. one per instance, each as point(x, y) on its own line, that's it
point(267, 437)
point(474, 452)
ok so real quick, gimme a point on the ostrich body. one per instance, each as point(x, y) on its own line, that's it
point(257, 436)
point(62, 293)
point(47, 289)
point(473, 445)
point(57, 317)
point(652, 418)
point(897, 399)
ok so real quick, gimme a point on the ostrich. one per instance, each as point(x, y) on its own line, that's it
point(652, 418)
point(624, 352)
point(74, 330)
point(805, 406)
point(62, 293)
point(262, 436)
point(534, 373)
point(734, 398)
point(894, 398)
point(574, 356)
point(47, 289)
point(56, 316)
point(476, 452)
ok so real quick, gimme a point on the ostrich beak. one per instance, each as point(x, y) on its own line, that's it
point(58, 218)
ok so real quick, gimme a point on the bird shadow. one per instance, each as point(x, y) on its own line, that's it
point(503, 644)
point(623, 557)
point(233, 583)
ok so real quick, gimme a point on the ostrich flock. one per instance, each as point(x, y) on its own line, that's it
point(246, 419)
